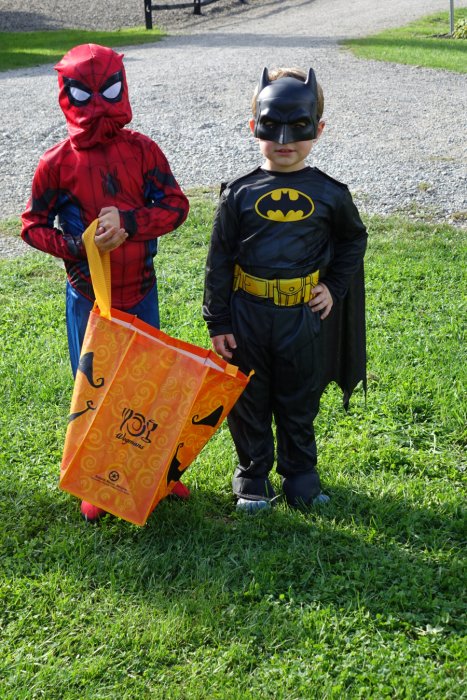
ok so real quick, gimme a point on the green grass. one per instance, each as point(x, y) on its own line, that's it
point(361, 599)
point(24, 49)
point(424, 42)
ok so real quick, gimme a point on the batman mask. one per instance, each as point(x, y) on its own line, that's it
point(286, 109)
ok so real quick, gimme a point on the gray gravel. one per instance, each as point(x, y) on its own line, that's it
point(395, 134)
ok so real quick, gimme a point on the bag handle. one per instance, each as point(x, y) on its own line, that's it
point(99, 266)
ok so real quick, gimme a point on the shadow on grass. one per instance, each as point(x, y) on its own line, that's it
point(388, 565)
point(413, 45)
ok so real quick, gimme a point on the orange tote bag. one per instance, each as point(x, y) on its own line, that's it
point(144, 405)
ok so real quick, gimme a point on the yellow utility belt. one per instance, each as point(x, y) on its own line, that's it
point(298, 290)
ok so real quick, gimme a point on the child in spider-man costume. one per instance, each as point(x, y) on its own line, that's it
point(107, 172)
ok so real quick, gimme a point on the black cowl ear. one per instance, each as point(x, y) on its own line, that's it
point(264, 81)
point(311, 83)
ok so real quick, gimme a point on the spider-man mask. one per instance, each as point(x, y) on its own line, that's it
point(286, 109)
point(93, 94)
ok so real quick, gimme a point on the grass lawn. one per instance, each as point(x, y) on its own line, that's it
point(24, 49)
point(362, 598)
point(424, 42)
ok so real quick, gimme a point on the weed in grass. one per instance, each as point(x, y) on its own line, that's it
point(459, 216)
point(9, 227)
point(424, 186)
point(361, 599)
point(460, 29)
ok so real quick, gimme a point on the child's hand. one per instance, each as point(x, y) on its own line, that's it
point(110, 239)
point(322, 300)
point(109, 235)
point(109, 217)
point(223, 345)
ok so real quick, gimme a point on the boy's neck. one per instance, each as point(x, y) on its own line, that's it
point(274, 168)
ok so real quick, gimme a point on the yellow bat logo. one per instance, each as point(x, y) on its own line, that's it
point(285, 204)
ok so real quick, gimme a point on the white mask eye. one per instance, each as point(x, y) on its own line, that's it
point(113, 91)
point(78, 94)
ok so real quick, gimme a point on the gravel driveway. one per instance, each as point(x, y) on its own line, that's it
point(395, 134)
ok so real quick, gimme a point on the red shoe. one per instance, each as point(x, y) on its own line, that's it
point(91, 513)
point(180, 491)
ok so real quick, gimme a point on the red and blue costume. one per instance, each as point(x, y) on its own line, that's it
point(102, 164)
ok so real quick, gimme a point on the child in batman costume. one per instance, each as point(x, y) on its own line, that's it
point(284, 293)
point(107, 172)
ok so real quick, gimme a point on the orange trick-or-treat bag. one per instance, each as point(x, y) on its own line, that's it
point(144, 405)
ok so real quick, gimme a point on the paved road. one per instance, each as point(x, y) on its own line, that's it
point(394, 133)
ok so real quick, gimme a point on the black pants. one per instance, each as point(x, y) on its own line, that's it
point(279, 344)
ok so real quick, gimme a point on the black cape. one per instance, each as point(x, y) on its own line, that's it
point(342, 341)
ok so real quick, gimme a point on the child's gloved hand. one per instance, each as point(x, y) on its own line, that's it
point(109, 235)
point(223, 345)
point(322, 300)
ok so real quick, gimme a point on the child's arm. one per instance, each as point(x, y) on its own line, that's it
point(219, 278)
point(349, 243)
point(165, 206)
point(38, 228)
